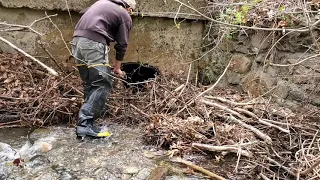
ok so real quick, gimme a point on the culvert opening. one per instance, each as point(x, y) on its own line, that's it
point(138, 74)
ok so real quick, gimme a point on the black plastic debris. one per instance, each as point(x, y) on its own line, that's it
point(138, 74)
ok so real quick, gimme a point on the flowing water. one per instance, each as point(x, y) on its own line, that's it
point(55, 153)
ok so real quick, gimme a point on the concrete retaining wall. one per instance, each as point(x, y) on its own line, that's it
point(153, 39)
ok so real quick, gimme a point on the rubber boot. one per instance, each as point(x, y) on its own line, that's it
point(84, 74)
point(100, 87)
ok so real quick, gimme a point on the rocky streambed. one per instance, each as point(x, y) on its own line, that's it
point(55, 153)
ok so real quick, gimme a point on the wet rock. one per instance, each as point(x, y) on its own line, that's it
point(316, 101)
point(98, 171)
point(260, 58)
point(7, 153)
point(126, 176)
point(42, 145)
point(159, 173)
point(143, 174)
point(257, 83)
point(297, 95)
point(4, 171)
point(240, 64)
point(282, 89)
point(131, 170)
point(234, 78)
point(38, 160)
point(66, 176)
point(259, 41)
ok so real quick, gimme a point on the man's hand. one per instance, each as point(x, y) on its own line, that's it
point(117, 70)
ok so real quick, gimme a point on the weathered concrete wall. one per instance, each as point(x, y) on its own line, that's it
point(75, 5)
point(154, 40)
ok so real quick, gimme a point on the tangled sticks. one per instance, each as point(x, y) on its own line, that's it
point(272, 140)
point(31, 97)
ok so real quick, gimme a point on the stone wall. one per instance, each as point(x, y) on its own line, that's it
point(252, 70)
point(154, 39)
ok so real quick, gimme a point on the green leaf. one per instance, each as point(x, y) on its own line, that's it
point(245, 9)
point(239, 18)
point(178, 25)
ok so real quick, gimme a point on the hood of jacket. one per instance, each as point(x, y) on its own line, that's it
point(120, 2)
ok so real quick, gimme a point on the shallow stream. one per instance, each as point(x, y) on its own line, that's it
point(55, 153)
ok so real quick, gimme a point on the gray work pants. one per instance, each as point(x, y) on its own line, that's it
point(92, 62)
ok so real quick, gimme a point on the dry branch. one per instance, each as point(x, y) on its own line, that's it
point(21, 27)
point(260, 120)
point(52, 71)
point(228, 148)
point(225, 108)
point(253, 129)
point(228, 101)
point(198, 168)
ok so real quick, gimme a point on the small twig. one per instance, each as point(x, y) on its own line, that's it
point(307, 16)
point(175, 17)
point(53, 72)
point(50, 55)
point(198, 168)
point(139, 111)
point(281, 166)
point(179, 88)
point(61, 35)
point(206, 91)
point(239, 157)
point(21, 27)
point(11, 98)
point(31, 77)
point(297, 63)
point(275, 126)
point(313, 139)
point(187, 82)
point(9, 123)
point(264, 177)
point(214, 85)
point(204, 54)
point(307, 171)
point(67, 5)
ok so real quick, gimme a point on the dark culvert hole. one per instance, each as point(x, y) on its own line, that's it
point(138, 73)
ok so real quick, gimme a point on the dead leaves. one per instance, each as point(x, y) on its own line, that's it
point(35, 95)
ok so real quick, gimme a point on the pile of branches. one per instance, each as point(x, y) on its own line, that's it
point(262, 139)
point(29, 96)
